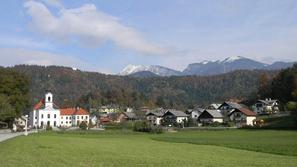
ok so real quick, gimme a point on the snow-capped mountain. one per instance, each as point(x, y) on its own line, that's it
point(158, 70)
point(207, 67)
point(223, 66)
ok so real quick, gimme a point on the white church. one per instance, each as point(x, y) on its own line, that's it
point(46, 113)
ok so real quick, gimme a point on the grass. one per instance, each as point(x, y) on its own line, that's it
point(267, 141)
point(126, 148)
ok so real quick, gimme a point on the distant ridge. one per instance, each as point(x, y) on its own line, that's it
point(205, 68)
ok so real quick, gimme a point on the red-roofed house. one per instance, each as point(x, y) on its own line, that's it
point(45, 112)
point(242, 116)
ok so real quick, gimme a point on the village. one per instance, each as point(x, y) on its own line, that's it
point(47, 115)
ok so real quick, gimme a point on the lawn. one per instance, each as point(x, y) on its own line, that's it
point(268, 141)
point(125, 148)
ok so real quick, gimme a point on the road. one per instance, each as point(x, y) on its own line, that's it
point(5, 135)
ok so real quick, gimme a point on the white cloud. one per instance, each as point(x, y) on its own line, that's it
point(87, 26)
point(13, 41)
point(12, 56)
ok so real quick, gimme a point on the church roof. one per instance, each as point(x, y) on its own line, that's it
point(41, 104)
point(73, 111)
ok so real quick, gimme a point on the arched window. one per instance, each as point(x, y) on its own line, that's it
point(48, 98)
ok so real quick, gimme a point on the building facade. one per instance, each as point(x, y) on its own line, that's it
point(47, 113)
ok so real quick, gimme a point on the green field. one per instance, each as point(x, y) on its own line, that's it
point(125, 148)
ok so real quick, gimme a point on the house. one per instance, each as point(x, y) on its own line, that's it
point(109, 109)
point(267, 106)
point(21, 121)
point(155, 117)
point(94, 119)
point(194, 113)
point(172, 116)
point(47, 113)
point(242, 117)
point(227, 105)
point(210, 116)
point(213, 106)
point(127, 116)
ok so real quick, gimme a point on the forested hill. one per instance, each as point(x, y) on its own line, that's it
point(91, 89)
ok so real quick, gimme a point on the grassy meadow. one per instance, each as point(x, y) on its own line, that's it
point(126, 148)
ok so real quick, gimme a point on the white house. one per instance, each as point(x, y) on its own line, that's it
point(154, 117)
point(242, 116)
point(194, 114)
point(175, 116)
point(46, 113)
point(267, 106)
point(210, 116)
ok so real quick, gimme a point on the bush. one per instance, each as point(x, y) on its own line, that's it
point(215, 124)
point(292, 106)
point(83, 125)
point(156, 129)
point(231, 124)
point(48, 128)
point(143, 126)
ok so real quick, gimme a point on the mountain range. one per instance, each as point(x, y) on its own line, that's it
point(204, 68)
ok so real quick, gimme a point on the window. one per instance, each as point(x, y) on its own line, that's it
point(55, 124)
point(41, 123)
point(61, 122)
point(41, 115)
point(61, 117)
point(48, 123)
point(82, 117)
point(49, 99)
point(66, 122)
point(70, 122)
point(66, 117)
point(86, 117)
point(48, 116)
point(35, 117)
point(55, 116)
point(77, 117)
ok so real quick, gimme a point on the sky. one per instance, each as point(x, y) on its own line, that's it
point(107, 35)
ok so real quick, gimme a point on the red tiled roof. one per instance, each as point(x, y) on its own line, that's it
point(73, 111)
point(246, 111)
point(39, 105)
point(104, 119)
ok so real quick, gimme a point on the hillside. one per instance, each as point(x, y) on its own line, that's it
point(91, 89)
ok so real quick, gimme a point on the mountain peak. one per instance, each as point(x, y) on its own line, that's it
point(232, 59)
point(129, 69)
point(156, 69)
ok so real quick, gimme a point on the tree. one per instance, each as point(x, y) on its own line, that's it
point(14, 94)
point(6, 110)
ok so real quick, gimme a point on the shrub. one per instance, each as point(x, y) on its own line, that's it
point(292, 106)
point(141, 126)
point(215, 124)
point(231, 124)
point(83, 125)
point(48, 128)
point(156, 129)
point(144, 126)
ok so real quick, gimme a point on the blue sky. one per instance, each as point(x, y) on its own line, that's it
point(107, 35)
